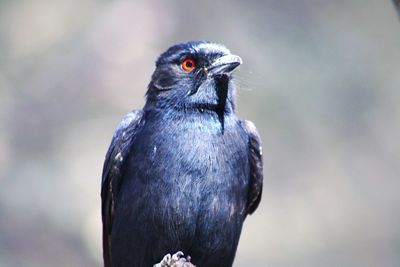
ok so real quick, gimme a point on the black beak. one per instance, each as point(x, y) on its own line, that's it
point(224, 65)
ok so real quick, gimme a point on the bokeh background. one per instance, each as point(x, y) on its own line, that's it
point(320, 79)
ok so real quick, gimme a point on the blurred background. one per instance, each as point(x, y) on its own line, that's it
point(320, 79)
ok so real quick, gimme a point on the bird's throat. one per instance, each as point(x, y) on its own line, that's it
point(222, 83)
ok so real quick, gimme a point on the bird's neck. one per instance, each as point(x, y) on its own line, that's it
point(200, 114)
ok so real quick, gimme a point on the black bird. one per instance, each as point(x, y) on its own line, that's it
point(184, 172)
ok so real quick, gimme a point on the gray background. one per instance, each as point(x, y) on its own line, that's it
point(320, 80)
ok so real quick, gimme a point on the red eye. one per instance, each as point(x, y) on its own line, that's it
point(188, 64)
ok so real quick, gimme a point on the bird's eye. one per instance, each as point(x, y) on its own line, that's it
point(188, 64)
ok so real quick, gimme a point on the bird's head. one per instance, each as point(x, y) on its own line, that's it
point(194, 76)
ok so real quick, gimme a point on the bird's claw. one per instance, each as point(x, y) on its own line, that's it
point(176, 260)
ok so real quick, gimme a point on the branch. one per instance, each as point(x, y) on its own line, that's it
point(176, 260)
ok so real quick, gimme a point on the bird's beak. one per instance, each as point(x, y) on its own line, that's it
point(220, 67)
point(224, 65)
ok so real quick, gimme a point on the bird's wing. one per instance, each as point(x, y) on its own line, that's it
point(112, 171)
point(256, 167)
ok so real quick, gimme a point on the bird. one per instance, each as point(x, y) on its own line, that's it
point(183, 172)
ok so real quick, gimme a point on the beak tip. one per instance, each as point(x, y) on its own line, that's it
point(240, 61)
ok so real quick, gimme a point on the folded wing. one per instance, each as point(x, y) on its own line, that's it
point(256, 167)
point(113, 168)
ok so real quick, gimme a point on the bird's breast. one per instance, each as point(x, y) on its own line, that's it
point(196, 149)
point(190, 177)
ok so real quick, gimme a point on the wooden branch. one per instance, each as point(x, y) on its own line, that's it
point(176, 260)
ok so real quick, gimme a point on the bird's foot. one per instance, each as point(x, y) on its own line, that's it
point(176, 260)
